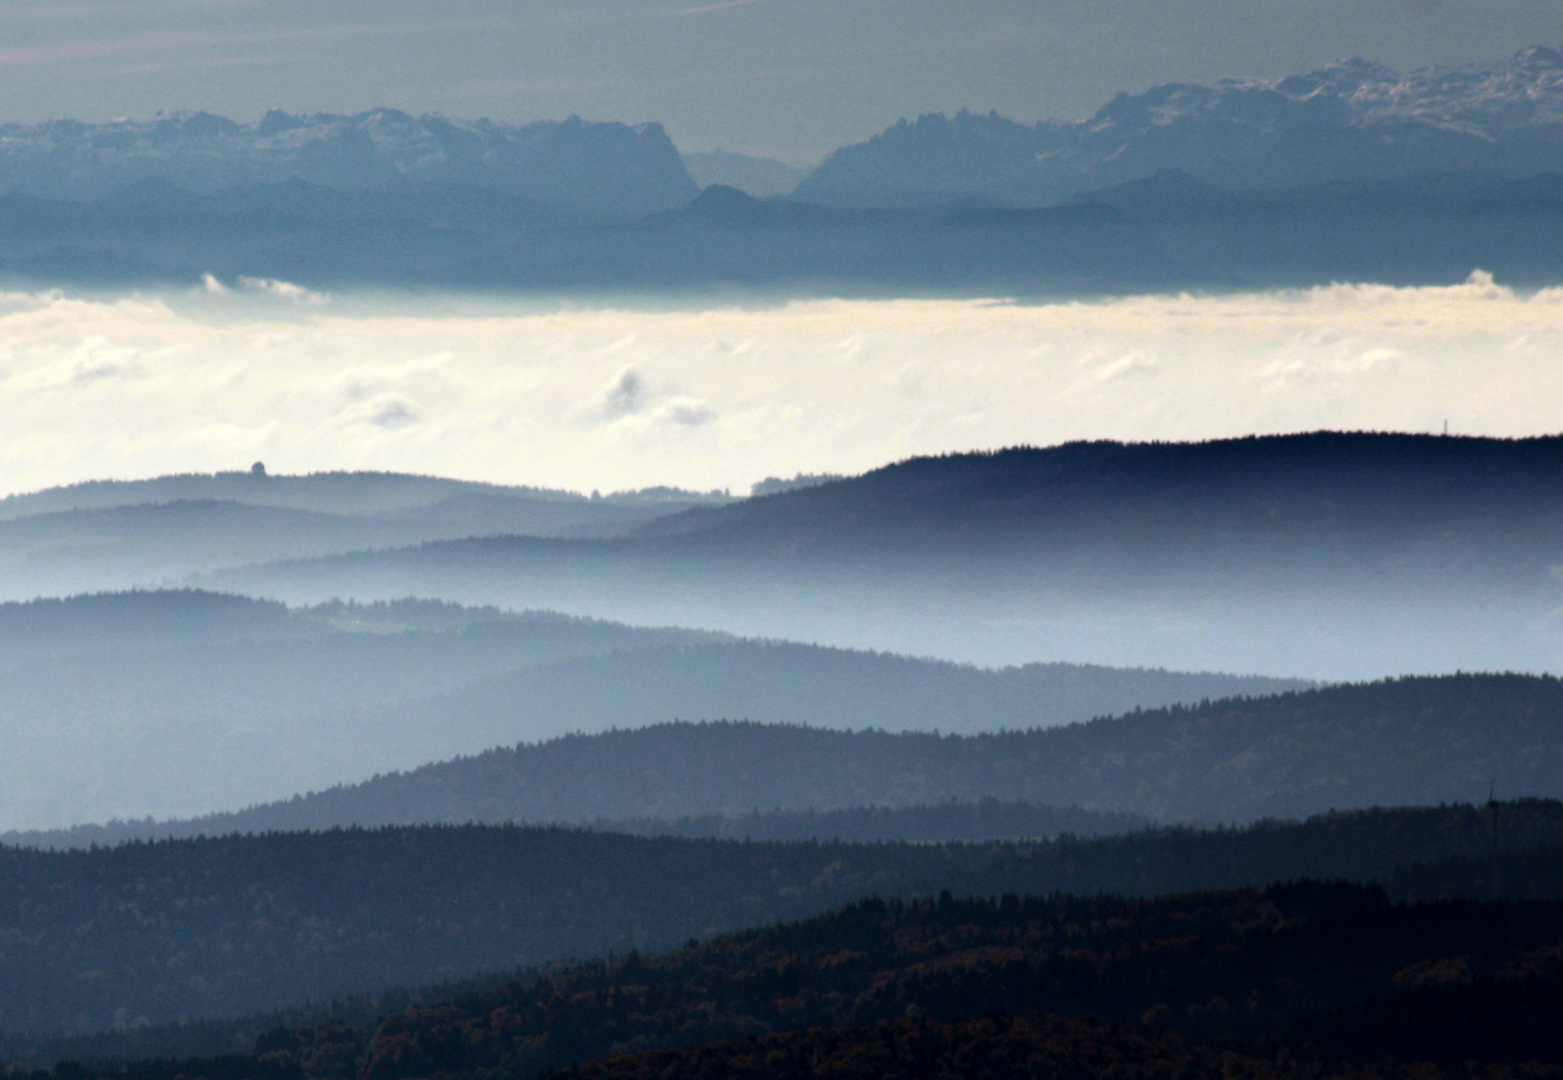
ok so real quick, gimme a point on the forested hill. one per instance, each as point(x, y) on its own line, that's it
point(1299, 491)
point(1326, 963)
point(982, 819)
point(1398, 742)
point(178, 704)
point(1292, 955)
point(1326, 554)
point(265, 922)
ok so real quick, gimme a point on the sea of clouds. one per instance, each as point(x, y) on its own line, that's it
point(616, 396)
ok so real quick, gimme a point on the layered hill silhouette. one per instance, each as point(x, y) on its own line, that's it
point(173, 704)
point(1324, 554)
point(1401, 742)
point(286, 919)
point(108, 535)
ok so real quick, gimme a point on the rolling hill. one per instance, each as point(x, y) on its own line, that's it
point(1400, 742)
point(175, 704)
point(107, 535)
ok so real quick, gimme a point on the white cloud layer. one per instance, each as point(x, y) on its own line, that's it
point(615, 397)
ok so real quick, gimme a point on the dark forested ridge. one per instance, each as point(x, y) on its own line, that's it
point(1313, 967)
point(226, 926)
point(1027, 1047)
point(1297, 490)
point(1239, 965)
point(1339, 554)
point(1397, 742)
point(983, 819)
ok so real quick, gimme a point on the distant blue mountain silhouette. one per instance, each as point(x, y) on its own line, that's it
point(1354, 121)
point(597, 168)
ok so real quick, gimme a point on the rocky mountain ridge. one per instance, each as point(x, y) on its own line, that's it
point(1350, 121)
point(600, 168)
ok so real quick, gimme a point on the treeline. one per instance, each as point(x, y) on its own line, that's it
point(149, 933)
point(985, 819)
point(1310, 972)
point(1399, 742)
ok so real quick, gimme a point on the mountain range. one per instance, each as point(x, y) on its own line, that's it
point(595, 168)
point(1351, 121)
point(1351, 172)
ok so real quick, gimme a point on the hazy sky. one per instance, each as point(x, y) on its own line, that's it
point(790, 77)
point(503, 390)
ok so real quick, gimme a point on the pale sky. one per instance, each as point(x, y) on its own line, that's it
point(711, 396)
point(792, 78)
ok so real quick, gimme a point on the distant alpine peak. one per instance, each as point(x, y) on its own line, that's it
point(410, 143)
point(597, 167)
point(1353, 120)
point(1490, 99)
point(1493, 99)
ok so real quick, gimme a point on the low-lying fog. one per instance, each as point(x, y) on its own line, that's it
point(716, 394)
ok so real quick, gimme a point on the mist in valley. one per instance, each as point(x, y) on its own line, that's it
point(511, 597)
